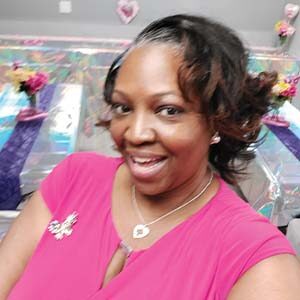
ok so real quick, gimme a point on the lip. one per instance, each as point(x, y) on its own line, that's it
point(145, 166)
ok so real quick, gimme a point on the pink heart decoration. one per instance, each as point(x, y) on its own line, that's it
point(30, 114)
point(291, 10)
point(33, 42)
point(127, 10)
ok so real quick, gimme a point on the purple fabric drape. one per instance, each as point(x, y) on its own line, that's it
point(288, 138)
point(15, 152)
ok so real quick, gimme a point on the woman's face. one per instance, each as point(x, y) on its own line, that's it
point(161, 136)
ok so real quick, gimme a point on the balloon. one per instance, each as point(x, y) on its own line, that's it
point(127, 10)
point(291, 10)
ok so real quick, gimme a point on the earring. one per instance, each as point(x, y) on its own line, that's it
point(215, 138)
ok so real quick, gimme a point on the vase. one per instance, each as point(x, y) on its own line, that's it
point(282, 46)
point(32, 112)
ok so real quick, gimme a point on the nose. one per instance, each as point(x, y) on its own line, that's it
point(140, 129)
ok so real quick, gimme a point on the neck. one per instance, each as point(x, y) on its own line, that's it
point(155, 205)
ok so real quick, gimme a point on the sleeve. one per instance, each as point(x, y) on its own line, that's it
point(53, 186)
point(245, 244)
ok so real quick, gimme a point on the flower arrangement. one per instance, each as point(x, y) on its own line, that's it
point(30, 82)
point(284, 90)
point(284, 30)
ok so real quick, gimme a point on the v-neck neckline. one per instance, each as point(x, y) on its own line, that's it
point(137, 253)
point(178, 227)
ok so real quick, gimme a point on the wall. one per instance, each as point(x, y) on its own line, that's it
point(253, 19)
point(294, 48)
point(295, 41)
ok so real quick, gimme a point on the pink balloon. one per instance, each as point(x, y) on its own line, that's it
point(127, 10)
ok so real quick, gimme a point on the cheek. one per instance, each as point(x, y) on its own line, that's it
point(116, 132)
point(186, 139)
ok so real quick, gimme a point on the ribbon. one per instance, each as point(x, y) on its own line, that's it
point(15, 152)
point(288, 138)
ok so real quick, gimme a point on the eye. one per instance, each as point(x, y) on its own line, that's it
point(120, 109)
point(169, 111)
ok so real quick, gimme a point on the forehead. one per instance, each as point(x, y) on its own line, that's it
point(155, 64)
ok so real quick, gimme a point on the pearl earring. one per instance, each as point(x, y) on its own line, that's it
point(215, 139)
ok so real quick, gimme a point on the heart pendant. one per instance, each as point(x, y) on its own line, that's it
point(140, 231)
point(127, 10)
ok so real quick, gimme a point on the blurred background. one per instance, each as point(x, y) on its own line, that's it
point(75, 41)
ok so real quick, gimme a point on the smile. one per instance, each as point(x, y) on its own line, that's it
point(146, 167)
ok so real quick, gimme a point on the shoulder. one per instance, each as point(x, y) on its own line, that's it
point(245, 227)
point(246, 238)
point(238, 214)
point(258, 282)
point(82, 163)
point(92, 158)
point(83, 173)
point(231, 218)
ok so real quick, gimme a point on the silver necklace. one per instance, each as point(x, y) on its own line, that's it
point(142, 230)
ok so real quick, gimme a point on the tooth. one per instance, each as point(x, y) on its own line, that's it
point(141, 160)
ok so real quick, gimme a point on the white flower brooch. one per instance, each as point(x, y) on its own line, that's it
point(59, 230)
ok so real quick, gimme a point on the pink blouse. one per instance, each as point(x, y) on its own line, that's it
point(201, 258)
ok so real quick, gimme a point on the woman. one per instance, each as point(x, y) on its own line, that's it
point(160, 222)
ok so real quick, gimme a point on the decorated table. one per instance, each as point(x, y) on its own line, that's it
point(29, 150)
point(273, 183)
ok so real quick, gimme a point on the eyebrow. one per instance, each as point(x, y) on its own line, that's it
point(160, 94)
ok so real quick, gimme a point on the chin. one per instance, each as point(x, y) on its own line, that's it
point(150, 188)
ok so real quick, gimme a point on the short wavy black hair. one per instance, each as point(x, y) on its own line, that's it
point(214, 71)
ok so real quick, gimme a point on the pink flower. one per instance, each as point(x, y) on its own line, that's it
point(284, 29)
point(36, 82)
point(290, 92)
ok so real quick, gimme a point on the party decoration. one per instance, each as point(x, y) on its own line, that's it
point(16, 150)
point(284, 90)
point(284, 30)
point(30, 82)
point(127, 10)
point(33, 42)
point(291, 11)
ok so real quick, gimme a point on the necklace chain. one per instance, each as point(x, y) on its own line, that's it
point(135, 205)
